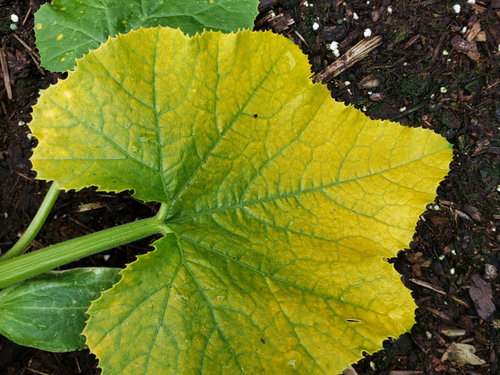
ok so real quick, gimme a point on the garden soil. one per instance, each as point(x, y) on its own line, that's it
point(428, 63)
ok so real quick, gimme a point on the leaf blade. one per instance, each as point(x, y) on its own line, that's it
point(268, 196)
point(66, 29)
point(48, 312)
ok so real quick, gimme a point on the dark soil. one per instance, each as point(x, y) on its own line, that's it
point(434, 68)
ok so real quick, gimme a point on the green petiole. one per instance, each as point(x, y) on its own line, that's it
point(36, 224)
point(31, 264)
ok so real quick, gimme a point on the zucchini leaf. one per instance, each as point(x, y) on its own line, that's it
point(48, 312)
point(68, 29)
point(283, 204)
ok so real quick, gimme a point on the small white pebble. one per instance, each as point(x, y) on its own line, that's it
point(443, 89)
point(436, 207)
point(405, 64)
point(471, 1)
point(372, 365)
point(306, 4)
point(368, 2)
point(355, 16)
point(389, 9)
point(402, 109)
point(428, 335)
point(14, 17)
point(432, 96)
point(106, 257)
point(452, 271)
point(30, 136)
point(498, 188)
point(445, 53)
point(334, 46)
point(5, 215)
point(315, 26)
point(464, 29)
point(441, 257)
point(13, 26)
point(367, 33)
point(21, 123)
point(456, 8)
point(347, 83)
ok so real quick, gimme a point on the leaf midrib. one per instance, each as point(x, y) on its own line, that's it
point(244, 204)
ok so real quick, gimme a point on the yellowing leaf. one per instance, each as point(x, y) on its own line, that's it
point(282, 204)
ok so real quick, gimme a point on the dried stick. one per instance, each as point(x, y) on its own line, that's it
point(6, 78)
point(348, 59)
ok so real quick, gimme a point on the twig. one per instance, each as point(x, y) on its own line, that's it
point(25, 45)
point(438, 313)
point(407, 112)
point(33, 54)
point(427, 285)
point(27, 14)
point(460, 302)
point(301, 38)
point(348, 59)
point(6, 78)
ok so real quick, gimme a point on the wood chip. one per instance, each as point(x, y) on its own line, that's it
point(5, 70)
point(482, 295)
point(90, 206)
point(453, 332)
point(471, 34)
point(281, 22)
point(349, 371)
point(333, 33)
point(462, 354)
point(348, 59)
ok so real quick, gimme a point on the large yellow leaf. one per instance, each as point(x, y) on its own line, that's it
point(282, 204)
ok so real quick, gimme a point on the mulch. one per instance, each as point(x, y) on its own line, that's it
point(431, 66)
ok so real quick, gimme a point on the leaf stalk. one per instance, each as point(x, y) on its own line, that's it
point(36, 224)
point(31, 264)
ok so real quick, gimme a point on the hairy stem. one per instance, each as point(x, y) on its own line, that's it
point(31, 264)
point(36, 224)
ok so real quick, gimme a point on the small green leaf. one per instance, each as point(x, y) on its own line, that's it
point(48, 312)
point(68, 29)
point(283, 204)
